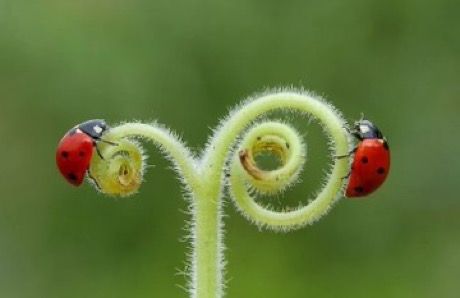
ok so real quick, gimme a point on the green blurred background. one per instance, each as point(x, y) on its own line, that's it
point(185, 63)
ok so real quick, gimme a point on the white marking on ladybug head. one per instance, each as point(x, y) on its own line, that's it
point(364, 128)
point(97, 129)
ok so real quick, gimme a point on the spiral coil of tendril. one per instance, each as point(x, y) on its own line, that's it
point(245, 176)
point(278, 139)
point(247, 179)
point(120, 168)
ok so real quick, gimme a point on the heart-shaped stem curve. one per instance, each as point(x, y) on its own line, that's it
point(228, 160)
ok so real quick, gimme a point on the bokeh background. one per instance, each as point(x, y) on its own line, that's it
point(186, 63)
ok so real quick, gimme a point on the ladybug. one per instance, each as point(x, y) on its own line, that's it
point(371, 162)
point(75, 150)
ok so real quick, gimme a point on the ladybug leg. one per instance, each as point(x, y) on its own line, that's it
point(346, 155)
point(98, 151)
point(342, 156)
point(97, 148)
point(93, 179)
point(347, 176)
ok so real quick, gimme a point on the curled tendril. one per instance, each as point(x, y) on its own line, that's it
point(275, 138)
point(120, 173)
point(246, 176)
point(120, 169)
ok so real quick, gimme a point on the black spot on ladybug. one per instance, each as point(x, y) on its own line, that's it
point(72, 176)
point(65, 154)
point(359, 189)
point(81, 153)
point(364, 159)
point(381, 170)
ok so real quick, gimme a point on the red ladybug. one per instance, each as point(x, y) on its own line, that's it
point(75, 150)
point(371, 162)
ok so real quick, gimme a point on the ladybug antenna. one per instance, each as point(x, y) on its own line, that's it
point(362, 117)
point(109, 142)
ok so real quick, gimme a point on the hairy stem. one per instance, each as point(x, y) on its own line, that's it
point(228, 160)
point(207, 258)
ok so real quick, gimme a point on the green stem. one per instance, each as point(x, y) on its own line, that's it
point(207, 260)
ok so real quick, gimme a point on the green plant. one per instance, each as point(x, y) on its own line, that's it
point(227, 163)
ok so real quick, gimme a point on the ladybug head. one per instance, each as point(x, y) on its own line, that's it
point(364, 129)
point(94, 128)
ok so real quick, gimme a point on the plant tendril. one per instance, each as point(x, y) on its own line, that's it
point(230, 160)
